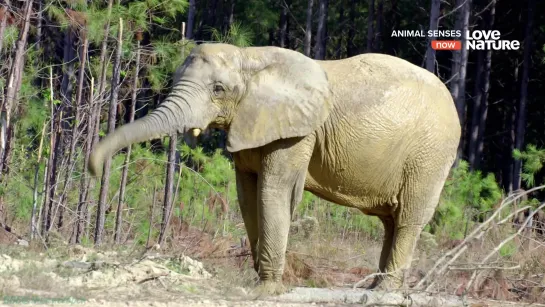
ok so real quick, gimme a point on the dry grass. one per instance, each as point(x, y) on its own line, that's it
point(328, 259)
point(516, 273)
point(340, 257)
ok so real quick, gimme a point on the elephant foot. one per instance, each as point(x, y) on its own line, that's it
point(376, 282)
point(268, 288)
point(256, 266)
point(382, 282)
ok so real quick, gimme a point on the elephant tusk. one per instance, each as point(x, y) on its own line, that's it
point(196, 132)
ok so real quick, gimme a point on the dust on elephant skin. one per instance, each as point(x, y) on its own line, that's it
point(372, 132)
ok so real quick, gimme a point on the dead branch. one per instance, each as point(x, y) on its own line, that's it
point(368, 277)
point(379, 298)
point(507, 218)
point(151, 278)
point(505, 241)
point(476, 233)
point(478, 267)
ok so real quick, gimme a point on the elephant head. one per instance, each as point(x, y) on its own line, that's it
point(257, 94)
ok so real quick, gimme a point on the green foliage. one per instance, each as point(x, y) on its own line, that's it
point(138, 14)
point(237, 35)
point(508, 250)
point(96, 21)
point(467, 196)
point(532, 159)
point(167, 57)
point(260, 16)
point(11, 33)
point(79, 5)
point(171, 8)
point(337, 219)
point(58, 14)
point(177, 266)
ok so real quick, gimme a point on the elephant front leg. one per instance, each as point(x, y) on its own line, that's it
point(247, 200)
point(280, 188)
point(275, 217)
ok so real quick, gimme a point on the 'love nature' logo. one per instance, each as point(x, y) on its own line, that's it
point(475, 40)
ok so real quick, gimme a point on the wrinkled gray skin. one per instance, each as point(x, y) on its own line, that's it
point(372, 132)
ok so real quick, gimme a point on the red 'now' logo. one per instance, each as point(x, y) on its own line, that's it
point(446, 45)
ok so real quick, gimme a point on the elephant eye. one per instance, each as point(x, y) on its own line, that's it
point(218, 89)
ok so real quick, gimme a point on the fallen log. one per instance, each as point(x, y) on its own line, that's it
point(380, 298)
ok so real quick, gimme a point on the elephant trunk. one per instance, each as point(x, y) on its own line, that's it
point(165, 120)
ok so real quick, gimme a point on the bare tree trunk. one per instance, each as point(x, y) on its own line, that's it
point(190, 19)
point(321, 38)
point(351, 49)
point(484, 108)
point(39, 25)
point(151, 217)
point(47, 172)
point(228, 15)
point(480, 109)
point(105, 182)
point(476, 113)
point(33, 221)
point(54, 151)
point(43, 202)
point(459, 69)
point(370, 25)
point(377, 43)
point(102, 81)
point(509, 141)
point(169, 184)
point(33, 225)
point(435, 11)
point(97, 105)
point(85, 180)
point(392, 17)
point(308, 28)
point(283, 26)
point(338, 51)
point(66, 94)
point(3, 22)
point(521, 114)
point(14, 85)
point(231, 14)
point(8, 150)
point(124, 174)
point(211, 14)
point(75, 123)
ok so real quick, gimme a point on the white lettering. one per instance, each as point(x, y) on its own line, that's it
point(492, 45)
point(482, 34)
point(408, 33)
point(489, 40)
point(444, 33)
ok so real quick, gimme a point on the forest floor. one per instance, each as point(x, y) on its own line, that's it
point(68, 275)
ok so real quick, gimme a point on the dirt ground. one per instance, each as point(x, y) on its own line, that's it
point(127, 275)
point(88, 277)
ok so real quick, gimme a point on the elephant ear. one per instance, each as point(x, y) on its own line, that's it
point(287, 95)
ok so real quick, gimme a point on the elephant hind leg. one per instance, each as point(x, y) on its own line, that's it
point(417, 202)
point(389, 227)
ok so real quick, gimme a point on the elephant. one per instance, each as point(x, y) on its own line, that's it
point(372, 132)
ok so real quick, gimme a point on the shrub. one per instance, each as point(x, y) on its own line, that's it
point(467, 197)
